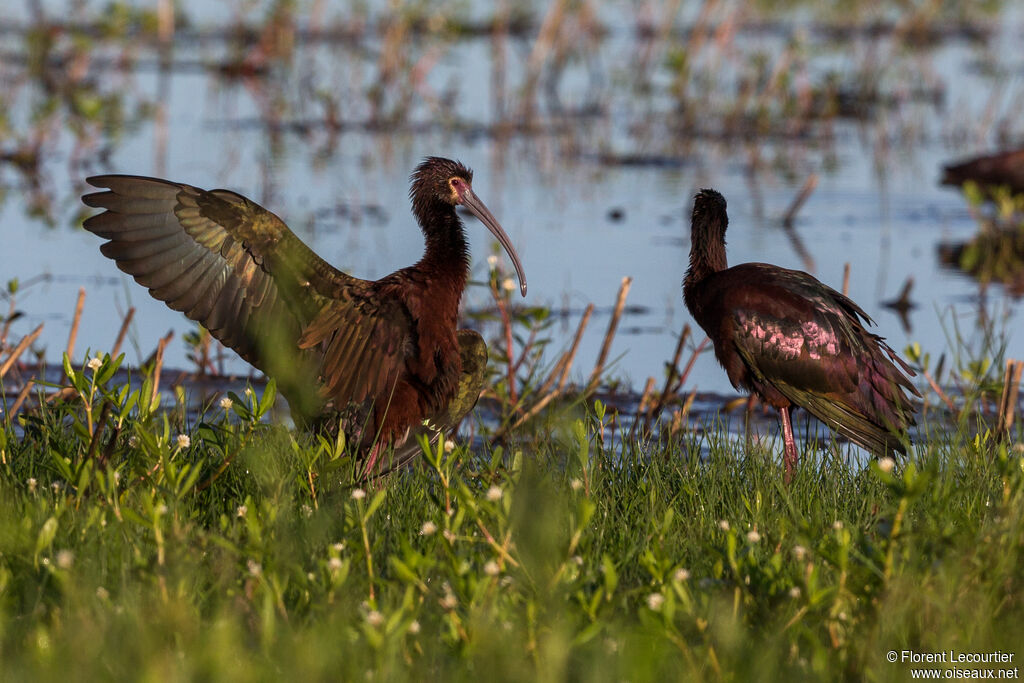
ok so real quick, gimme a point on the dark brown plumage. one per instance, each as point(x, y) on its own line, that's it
point(384, 354)
point(792, 340)
point(990, 171)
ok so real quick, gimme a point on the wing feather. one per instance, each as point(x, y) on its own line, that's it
point(818, 356)
point(237, 269)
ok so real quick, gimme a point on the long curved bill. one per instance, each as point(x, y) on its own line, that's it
point(477, 207)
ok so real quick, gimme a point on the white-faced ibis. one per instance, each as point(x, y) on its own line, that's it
point(1001, 169)
point(384, 356)
point(792, 340)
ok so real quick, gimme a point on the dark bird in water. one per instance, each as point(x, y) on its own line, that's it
point(1001, 169)
point(792, 340)
point(384, 357)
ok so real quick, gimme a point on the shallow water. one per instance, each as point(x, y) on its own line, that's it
point(878, 205)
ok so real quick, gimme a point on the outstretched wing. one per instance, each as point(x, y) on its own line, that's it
point(236, 268)
point(805, 341)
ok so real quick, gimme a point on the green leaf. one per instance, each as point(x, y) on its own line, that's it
point(611, 576)
point(45, 537)
point(375, 503)
point(267, 400)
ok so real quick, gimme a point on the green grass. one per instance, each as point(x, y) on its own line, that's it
point(564, 559)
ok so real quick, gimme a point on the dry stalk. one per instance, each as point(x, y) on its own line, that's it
point(644, 409)
point(673, 370)
point(689, 365)
point(159, 364)
point(570, 355)
point(562, 366)
point(645, 397)
point(846, 279)
point(122, 332)
point(20, 349)
point(1008, 400)
point(542, 47)
point(506, 324)
point(22, 395)
point(613, 325)
point(938, 390)
point(73, 335)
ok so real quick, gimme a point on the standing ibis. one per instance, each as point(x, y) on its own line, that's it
point(990, 171)
point(383, 356)
point(792, 340)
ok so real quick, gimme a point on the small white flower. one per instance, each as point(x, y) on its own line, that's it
point(494, 493)
point(837, 525)
point(449, 445)
point(358, 494)
point(65, 558)
point(307, 511)
point(133, 441)
point(655, 601)
point(240, 512)
point(428, 528)
point(508, 284)
point(162, 509)
point(842, 616)
point(226, 403)
point(95, 364)
point(449, 601)
point(339, 546)
point(723, 524)
point(254, 567)
point(249, 391)
point(414, 627)
point(575, 484)
point(682, 575)
point(184, 441)
point(335, 564)
point(577, 560)
point(492, 261)
point(492, 568)
point(32, 483)
point(753, 536)
point(799, 552)
point(886, 464)
point(374, 618)
point(57, 486)
point(102, 593)
point(449, 536)
point(794, 592)
point(117, 476)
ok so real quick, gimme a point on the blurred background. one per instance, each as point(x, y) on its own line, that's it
point(590, 125)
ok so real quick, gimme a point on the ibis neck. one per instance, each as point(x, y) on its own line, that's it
point(707, 256)
point(447, 254)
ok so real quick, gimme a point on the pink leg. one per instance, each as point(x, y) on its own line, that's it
point(376, 451)
point(790, 458)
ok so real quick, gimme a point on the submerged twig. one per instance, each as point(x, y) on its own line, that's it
point(808, 187)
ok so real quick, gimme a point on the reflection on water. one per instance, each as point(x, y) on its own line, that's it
point(589, 129)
